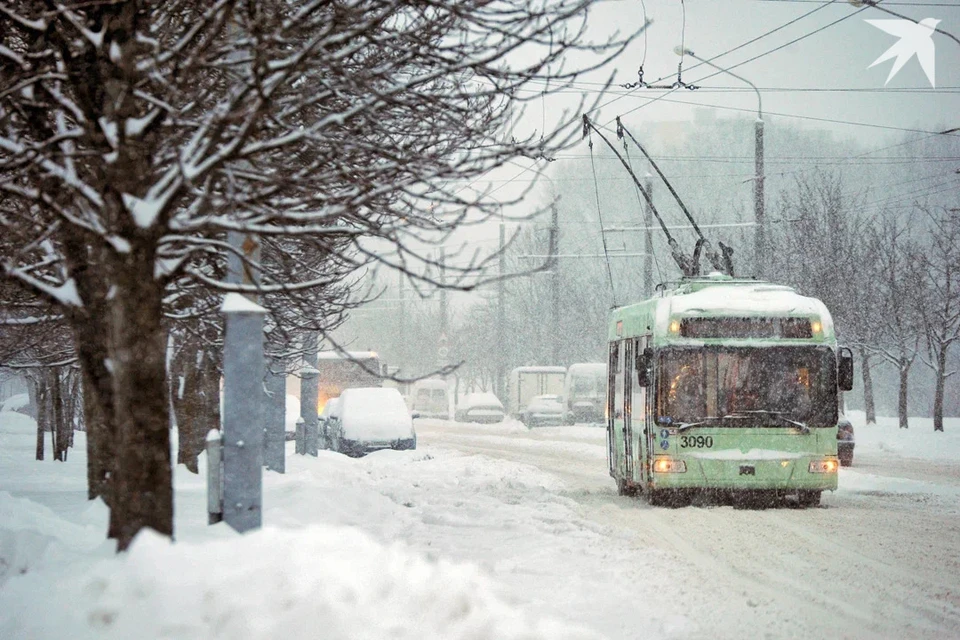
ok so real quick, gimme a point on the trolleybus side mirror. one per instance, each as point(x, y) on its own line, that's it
point(845, 369)
point(645, 367)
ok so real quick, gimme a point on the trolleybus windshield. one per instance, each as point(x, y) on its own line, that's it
point(749, 386)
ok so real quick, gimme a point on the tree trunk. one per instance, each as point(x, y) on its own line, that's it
point(90, 341)
point(868, 404)
point(902, 400)
point(143, 475)
point(938, 393)
point(41, 398)
point(60, 438)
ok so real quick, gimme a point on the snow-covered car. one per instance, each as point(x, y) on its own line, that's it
point(369, 419)
point(545, 410)
point(479, 407)
point(845, 441)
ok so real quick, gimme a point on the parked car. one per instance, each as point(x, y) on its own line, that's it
point(331, 411)
point(845, 441)
point(545, 410)
point(479, 407)
point(369, 419)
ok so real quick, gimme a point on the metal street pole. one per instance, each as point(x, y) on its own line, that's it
point(243, 394)
point(499, 384)
point(648, 238)
point(274, 447)
point(759, 237)
point(555, 284)
point(309, 390)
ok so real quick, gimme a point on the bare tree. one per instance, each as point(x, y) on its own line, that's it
point(940, 308)
point(137, 134)
point(898, 279)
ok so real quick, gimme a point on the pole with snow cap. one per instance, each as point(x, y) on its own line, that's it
point(243, 403)
point(244, 400)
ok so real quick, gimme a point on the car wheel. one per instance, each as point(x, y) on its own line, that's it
point(809, 498)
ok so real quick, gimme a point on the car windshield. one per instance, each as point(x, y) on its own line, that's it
point(750, 385)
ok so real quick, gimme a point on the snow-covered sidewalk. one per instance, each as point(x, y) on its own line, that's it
point(483, 532)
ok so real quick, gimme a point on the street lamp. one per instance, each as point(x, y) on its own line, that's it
point(759, 237)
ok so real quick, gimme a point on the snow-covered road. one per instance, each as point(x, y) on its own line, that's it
point(490, 532)
point(879, 559)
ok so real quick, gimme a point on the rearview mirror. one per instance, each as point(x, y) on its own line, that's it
point(644, 367)
point(845, 369)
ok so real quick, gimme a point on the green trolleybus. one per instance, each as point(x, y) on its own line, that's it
point(725, 385)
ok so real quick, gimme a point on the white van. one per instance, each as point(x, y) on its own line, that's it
point(431, 398)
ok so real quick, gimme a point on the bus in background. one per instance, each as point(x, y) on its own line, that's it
point(339, 371)
point(724, 385)
point(525, 383)
point(431, 398)
point(584, 392)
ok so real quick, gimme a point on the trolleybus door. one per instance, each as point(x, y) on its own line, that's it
point(614, 403)
point(639, 410)
point(628, 368)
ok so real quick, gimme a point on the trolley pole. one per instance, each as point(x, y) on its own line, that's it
point(648, 237)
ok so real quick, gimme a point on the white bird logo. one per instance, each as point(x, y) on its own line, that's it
point(915, 40)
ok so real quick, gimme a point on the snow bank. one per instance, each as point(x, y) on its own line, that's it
point(316, 582)
point(15, 403)
point(918, 441)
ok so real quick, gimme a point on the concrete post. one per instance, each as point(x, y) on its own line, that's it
point(214, 477)
point(243, 417)
point(301, 446)
point(308, 408)
point(274, 429)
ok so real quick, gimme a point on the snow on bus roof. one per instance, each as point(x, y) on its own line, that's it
point(755, 299)
point(544, 369)
point(738, 298)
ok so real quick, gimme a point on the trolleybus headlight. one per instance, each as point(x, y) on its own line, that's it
point(827, 465)
point(816, 327)
point(669, 465)
point(674, 326)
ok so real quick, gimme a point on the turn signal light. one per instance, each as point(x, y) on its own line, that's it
point(827, 465)
point(669, 465)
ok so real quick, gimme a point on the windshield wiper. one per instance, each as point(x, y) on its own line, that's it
point(702, 421)
point(775, 414)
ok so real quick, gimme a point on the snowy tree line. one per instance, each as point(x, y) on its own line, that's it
point(325, 138)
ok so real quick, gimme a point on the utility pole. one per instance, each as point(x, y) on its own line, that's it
point(443, 293)
point(555, 283)
point(648, 237)
point(402, 328)
point(501, 322)
point(760, 238)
